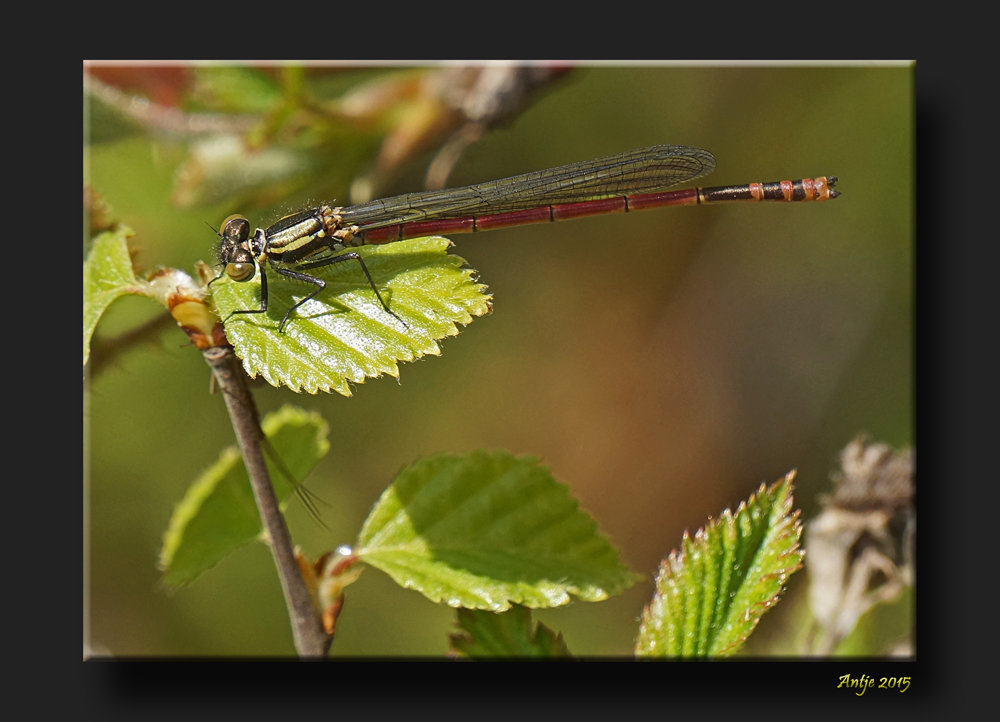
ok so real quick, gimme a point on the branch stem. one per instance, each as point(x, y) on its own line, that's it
point(307, 628)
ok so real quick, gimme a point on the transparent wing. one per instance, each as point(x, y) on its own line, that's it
point(646, 170)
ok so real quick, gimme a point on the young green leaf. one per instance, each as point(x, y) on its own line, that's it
point(509, 634)
point(343, 335)
point(218, 513)
point(710, 596)
point(485, 530)
point(107, 274)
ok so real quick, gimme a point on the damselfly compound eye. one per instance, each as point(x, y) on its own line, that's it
point(241, 271)
point(236, 228)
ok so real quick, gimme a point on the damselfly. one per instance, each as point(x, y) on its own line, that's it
point(632, 181)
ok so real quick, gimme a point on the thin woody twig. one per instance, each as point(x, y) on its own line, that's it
point(310, 638)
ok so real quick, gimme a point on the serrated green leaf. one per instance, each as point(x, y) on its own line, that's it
point(711, 595)
point(509, 634)
point(107, 275)
point(485, 530)
point(344, 335)
point(218, 514)
point(880, 628)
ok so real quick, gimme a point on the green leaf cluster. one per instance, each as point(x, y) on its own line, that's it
point(495, 535)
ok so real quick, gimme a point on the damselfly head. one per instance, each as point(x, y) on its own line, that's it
point(234, 250)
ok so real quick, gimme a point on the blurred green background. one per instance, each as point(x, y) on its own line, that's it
point(662, 364)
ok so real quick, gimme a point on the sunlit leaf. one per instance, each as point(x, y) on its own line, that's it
point(487, 530)
point(344, 336)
